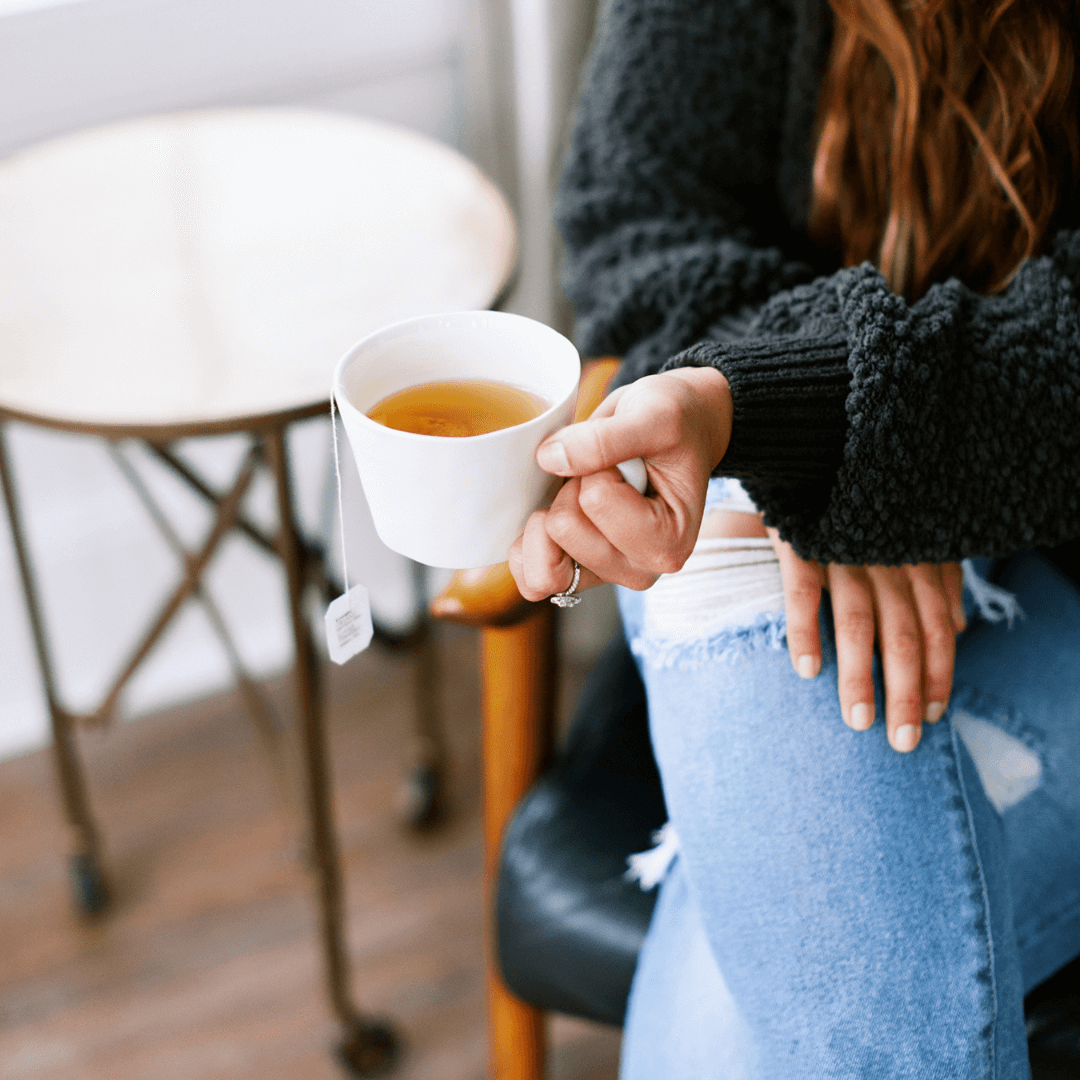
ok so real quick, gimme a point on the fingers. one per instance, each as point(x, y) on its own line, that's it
point(852, 599)
point(544, 573)
point(569, 527)
point(901, 645)
point(659, 416)
point(952, 576)
point(541, 560)
point(933, 604)
point(654, 534)
point(910, 610)
point(600, 443)
point(802, 599)
point(917, 639)
point(537, 564)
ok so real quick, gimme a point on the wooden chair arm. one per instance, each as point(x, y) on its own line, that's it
point(596, 377)
point(488, 596)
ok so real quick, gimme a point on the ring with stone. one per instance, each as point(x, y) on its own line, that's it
point(568, 597)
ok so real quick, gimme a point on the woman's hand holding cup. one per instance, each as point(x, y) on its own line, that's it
point(679, 422)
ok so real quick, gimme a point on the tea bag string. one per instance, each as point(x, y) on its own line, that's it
point(340, 504)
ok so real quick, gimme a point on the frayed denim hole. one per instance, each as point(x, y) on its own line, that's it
point(990, 601)
point(650, 867)
point(730, 644)
point(989, 707)
point(1008, 769)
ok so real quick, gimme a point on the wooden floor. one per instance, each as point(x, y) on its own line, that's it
point(206, 963)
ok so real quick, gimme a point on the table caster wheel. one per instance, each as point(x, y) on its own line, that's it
point(88, 884)
point(420, 800)
point(369, 1048)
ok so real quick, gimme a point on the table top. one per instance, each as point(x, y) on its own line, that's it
point(202, 271)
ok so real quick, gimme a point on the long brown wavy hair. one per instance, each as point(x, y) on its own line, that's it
point(947, 136)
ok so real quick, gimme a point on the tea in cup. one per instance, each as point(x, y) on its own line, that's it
point(458, 408)
point(444, 414)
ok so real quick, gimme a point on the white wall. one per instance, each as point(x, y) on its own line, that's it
point(77, 62)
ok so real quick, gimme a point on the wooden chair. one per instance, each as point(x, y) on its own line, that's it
point(518, 664)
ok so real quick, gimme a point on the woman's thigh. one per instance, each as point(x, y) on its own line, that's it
point(859, 902)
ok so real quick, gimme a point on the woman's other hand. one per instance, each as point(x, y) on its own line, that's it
point(679, 422)
point(914, 613)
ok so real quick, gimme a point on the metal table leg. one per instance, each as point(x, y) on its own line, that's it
point(87, 881)
point(368, 1047)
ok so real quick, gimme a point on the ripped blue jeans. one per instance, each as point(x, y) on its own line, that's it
point(837, 909)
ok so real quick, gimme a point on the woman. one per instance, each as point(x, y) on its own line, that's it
point(837, 247)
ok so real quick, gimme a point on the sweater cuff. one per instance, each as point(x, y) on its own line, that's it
point(789, 396)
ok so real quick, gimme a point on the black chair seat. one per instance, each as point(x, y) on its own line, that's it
point(569, 925)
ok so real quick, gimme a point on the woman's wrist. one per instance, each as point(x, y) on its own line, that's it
point(792, 396)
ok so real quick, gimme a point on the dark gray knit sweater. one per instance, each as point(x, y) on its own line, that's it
point(868, 429)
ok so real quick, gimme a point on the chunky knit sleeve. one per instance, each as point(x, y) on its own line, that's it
point(963, 417)
point(868, 429)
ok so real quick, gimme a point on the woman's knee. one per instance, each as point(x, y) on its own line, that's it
point(849, 889)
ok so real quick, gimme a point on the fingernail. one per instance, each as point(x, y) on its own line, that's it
point(807, 666)
point(906, 737)
point(552, 458)
point(934, 712)
point(959, 618)
point(862, 716)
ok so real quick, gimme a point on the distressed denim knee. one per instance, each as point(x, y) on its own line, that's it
point(856, 901)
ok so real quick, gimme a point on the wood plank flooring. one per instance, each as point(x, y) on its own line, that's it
point(206, 964)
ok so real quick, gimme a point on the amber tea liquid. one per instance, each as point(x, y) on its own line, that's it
point(458, 407)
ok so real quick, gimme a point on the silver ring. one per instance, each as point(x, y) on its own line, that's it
point(567, 598)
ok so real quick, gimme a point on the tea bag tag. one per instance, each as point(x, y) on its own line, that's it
point(348, 618)
point(348, 624)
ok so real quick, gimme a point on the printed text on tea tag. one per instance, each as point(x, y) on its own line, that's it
point(348, 624)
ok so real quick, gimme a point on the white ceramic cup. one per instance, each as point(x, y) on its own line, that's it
point(455, 502)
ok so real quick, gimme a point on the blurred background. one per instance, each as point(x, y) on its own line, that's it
point(492, 78)
point(207, 961)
